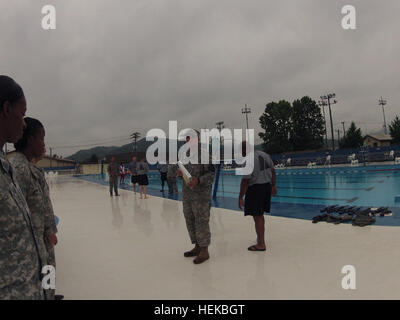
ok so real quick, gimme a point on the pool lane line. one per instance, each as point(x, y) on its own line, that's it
point(323, 178)
point(315, 188)
point(380, 170)
point(280, 186)
point(308, 198)
point(365, 187)
point(333, 182)
point(319, 198)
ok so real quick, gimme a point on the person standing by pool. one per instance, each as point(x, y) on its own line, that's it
point(163, 169)
point(197, 204)
point(122, 173)
point(257, 188)
point(132, 169)
point(49, 208)
point(171, 178)
point(33, 186)
point(113, 171)
point(142, 169)
point(20, 262)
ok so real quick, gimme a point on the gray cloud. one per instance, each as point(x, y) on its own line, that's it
point(113, 67)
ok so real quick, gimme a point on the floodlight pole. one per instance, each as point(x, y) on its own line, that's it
point(322, 104)
point(383, 103)
point(328, 98)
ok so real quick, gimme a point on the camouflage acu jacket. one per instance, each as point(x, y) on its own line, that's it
point(33, 185)
point(20, 264)
point(205, 173)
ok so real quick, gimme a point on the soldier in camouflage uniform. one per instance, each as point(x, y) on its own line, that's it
point(34, 188)
point(48, 208)
point(113, 171)
point(171, 178)
point(196, 207)
point(20, 263)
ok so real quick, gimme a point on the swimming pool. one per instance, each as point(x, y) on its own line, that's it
point(356, 186)
point(302, 193)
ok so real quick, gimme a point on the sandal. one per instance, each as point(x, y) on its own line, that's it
point(254, 248)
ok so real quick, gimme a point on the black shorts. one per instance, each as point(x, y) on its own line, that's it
point(257, 199)
point(163, 176)
point(134, 178)
point(143, 180)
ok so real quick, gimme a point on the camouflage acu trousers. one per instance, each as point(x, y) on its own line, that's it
point(197, 216)
point(51, 259)
point(113, 181)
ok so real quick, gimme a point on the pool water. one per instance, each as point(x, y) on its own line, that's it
point(302, 193)
point(355, 186)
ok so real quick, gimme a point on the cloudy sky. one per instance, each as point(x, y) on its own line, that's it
point(117, 66)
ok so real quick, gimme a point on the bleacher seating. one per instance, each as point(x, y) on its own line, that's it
point(341, 156)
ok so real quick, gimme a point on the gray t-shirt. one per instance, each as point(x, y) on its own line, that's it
point(262, 172)
point(142, 168)
point(132, 166)
point(163, 168)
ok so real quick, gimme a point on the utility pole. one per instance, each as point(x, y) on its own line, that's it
point(246, 111)
point(383, 103)
point(322, 104)
point(220, 125)
point(328, 98)
point(344, 130)
point(135, 136)
point(338, 137)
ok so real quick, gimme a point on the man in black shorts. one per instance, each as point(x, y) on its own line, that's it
point(132, 169)
point(163, 169)
point(258, 188)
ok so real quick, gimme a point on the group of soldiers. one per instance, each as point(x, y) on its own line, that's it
point(257, 188)
point(27, 222)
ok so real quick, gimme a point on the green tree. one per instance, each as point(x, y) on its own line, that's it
point(308, 125)
point(353, 138)
point(394, 128)
point(277, 124)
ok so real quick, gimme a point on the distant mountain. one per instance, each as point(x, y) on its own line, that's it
point(85, 155)
point(102, 152)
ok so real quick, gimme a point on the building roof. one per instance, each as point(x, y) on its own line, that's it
point(380, 137)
